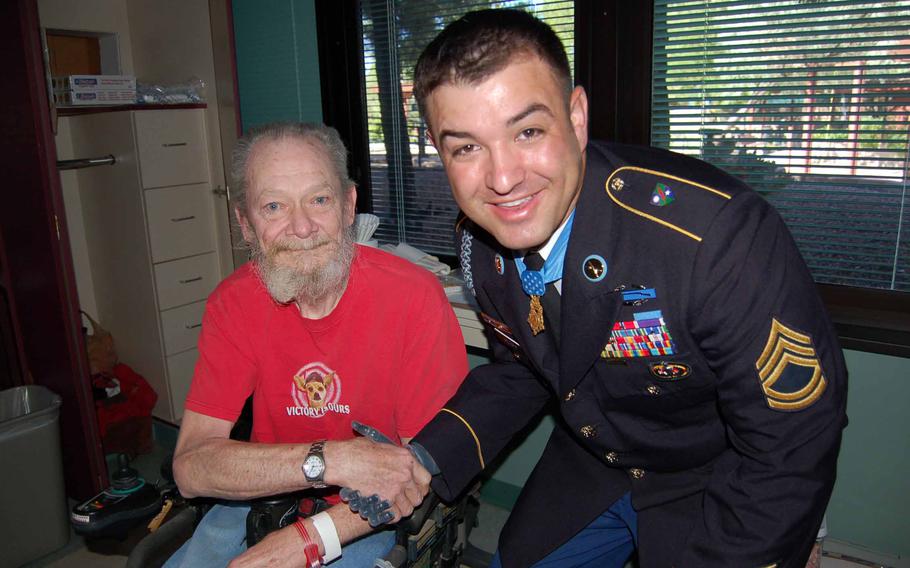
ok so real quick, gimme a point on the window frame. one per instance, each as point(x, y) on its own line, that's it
point(618, 80)
point(613, 48)
point(338, 37)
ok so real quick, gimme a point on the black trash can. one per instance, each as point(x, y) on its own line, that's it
point(34, 518)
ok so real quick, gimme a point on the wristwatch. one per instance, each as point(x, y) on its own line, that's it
point(314, 465)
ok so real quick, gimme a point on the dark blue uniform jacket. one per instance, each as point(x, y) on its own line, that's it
point(697, 369)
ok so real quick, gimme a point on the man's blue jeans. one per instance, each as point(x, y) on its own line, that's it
point(607, 542)
point(221, 536)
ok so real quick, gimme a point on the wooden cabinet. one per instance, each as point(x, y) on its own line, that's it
point(150, 222)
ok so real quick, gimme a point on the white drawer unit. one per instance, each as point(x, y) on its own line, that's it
point(181, 326)
point(171, 147)
point(151, 229)
point(184, 281)
point(180, 221)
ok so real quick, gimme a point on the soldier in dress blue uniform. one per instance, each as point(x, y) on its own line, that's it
point(660, 302)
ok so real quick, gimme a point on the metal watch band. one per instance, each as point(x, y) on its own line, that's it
point(316, 450)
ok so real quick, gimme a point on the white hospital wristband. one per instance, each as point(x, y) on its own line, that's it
point(325, 526)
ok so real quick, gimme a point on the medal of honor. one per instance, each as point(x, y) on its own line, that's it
point(536, 273)
point(535, 315)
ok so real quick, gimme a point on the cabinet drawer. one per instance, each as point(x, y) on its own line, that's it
point(180, 327)
point(187, 280)
point(180, 369)
point(172, 149)
point(180, 222)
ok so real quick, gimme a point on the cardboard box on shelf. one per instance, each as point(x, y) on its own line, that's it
point(82, 98)
point(95, 83)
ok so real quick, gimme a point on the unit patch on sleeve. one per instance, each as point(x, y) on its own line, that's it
point(789, 370)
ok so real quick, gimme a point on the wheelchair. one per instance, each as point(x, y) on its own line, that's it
point(434, 536)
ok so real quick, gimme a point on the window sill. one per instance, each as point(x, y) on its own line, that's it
point(877, 321)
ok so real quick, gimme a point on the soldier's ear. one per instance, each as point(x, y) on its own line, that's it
point(578, 115)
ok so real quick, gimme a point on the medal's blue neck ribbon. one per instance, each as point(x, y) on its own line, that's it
point(534, 282)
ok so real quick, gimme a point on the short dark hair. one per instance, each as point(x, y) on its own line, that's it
point(481, 43)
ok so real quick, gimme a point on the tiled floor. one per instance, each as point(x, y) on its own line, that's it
point(82, 557)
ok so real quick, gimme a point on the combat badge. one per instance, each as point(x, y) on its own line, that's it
point(789, 370)
point(635, 294)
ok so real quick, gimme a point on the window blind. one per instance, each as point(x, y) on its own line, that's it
point(410, 191)
point(807, 101)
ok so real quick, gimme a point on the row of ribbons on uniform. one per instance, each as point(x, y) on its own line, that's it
point(646, 335)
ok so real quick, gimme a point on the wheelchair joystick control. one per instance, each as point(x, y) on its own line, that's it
point(111, 513)
point(125, 478)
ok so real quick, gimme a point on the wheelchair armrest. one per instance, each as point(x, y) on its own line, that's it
point(155, 548)
point(415, 522)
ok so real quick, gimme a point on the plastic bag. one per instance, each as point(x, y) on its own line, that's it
point(190, 91)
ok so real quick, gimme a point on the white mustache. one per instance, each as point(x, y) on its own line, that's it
point(300, 244)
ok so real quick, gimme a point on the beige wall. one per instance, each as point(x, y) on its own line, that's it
point(106, 16)
point(69, 184)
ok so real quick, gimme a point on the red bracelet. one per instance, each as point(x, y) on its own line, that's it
point(310, 549)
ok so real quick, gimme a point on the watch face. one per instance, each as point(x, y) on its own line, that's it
point(313, 467)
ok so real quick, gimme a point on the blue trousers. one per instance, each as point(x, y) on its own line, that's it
point(607, 542)
point(221, 536)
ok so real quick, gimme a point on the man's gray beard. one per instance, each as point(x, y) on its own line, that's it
point(305, 281)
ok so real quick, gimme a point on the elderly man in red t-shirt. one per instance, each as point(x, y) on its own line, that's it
point(321, 332)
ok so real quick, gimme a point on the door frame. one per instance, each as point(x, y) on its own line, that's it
point(36, 254)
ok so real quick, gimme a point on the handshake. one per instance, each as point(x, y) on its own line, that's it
point(374, 508)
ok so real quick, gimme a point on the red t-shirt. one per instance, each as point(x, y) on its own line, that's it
point(389, 355)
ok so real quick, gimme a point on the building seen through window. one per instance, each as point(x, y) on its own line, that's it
point(807, 101)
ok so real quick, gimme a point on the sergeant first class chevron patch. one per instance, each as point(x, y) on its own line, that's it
point(789, 370)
